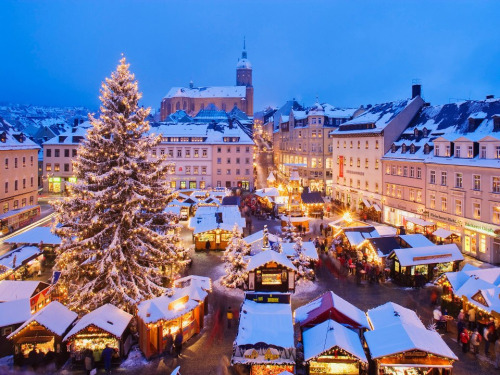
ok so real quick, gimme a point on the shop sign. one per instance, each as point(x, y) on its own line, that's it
point(481, 228)
point(178, 302)
point(268, 297)
point(445, 218)
point(54, 179)
point(415, 353)
point(341, 166)
point(72, 180)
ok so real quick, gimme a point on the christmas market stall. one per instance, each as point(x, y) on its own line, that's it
point(38, 236)
point(308, 247)
point(265, 339)
point(399, 343)
point(197, 285)
point(183, 310)
point(330, 349)
point(300, 223)
point(43, 332)
point(106, 325)
point(270, 271)
point(417, 265)
point(19, 263)
point(37, 292)
point(442, 235)
point(417, 225)
point(330, 306)
point(376, 249)
point(255, 240)
point(12, 315)
point(313, 203)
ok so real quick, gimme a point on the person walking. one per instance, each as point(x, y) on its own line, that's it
point(207, 245)
point(464, 340)
point(460, 328)
point(88, 361)
point(472, 318)
point(486, 334)
point(475, 340)
point(178, 343)
point(492, 335)
point(106, 356)
point(229, 316)
point(169, 342)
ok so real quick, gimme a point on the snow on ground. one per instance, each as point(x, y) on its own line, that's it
point(134, 359)
point(305, 286)
point(227, 291)
point(6, 363)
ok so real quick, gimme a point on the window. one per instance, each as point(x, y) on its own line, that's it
point(153, 153)
point(444, 204)
point(366, 185)
point(6, 163)
point(432, 177)
point(350, 162)
point(399, 193)
point(476, 210)
point(56, 152)
point(358, 162)
point(458, 207)
point(16, 185)
point(57, 167)
point(470, 152)
point(229, 149)
point(412, 194)
point(15, 162)
point(219, 171)
point(366, 163)
point(187, 153)
point(247, 149)
point(170, 153)
point(182, 184)
point(419, 195)
point(359, 145)
point(237, 149)
point(73, 153)
point(16, 204)
point(388, 169)
point(497, 152)
point(219, 160)
point(400, 170)
point(447, 150)
point(350, 182)
point(393, 170)
point(31, 160)
point(48, 153)
point(228, 171)
point(482, 244)
point(376, 188)
point(412, 172)
point(179, 152)
point(204, 152)
point(5, 207)
point(203, 170)
point(48, 167)
point(436, 150)
point(432, 201)
point(23, 202)
point(247, 171)
point(32, 200)
point(495, 216)
point(196, 170)
point(247, 160)
point(237, 160)
point(66, 152)
point(495, 184)
point(476, 182)
point(228, 160)
point(457, 151)
point(31, 181)
point(219, 150)
point(237, 171)
point(24, 183)
point(483, 152)
point(387, 189)
point(6, 187)
point(405, 171)
point(366, 145)
point(172, 184)
point(188, 170)
point(443, 178)
point(458, 180)
point(24, 161)
point(196, 153)
point(351, 144)
point(376, 145)
point(338, 144)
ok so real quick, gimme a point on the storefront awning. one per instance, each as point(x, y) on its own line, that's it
point(443, 233)
point(377, 207)
point(366, 203)
point(421, 222)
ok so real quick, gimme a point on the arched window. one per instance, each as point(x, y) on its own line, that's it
point(403, 148)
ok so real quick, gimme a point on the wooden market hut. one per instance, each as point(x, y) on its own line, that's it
point(330, 306)
point(270, 271)
point(183, 310)
point(23, 260)
point(313, 203)
point(330, 349)
point(400, 343)
point(106, 325)
point(12, 315)
point(376, 249)
point(417, 225)
point(44, 331)
point(417, 265)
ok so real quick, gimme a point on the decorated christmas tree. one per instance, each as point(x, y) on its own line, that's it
point(234, 261)
point(300, 260)
point(288, 233)
point(118, 245)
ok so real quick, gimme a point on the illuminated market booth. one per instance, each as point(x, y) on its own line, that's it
point(256, 240)
point(184, 309)
point(22, 261)
point(42, 237)
point(426, 263)
point(376, 249)
point(313, 203)
point(417, 225)
point(106, 325)
point(44, 332)
point(330, 349)
point(271, 271)
point(399, 343)
point(265, 339)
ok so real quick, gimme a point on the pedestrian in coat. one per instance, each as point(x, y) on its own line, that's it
point(460, 328)
point(475, 340)
point(178, 343)
point(169, 342)
point(106, 356)
point(472, 318)
point(88, 361)
point(464, 340)
point(207, 245)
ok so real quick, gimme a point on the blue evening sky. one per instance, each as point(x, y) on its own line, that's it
point(346, 52)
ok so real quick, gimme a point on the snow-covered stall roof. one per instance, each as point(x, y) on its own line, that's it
point(35, 236)
point(20, 256)
point(255, 240)
point(391, 313)
point(176, 210)
point(256, 319)
point(442, 233)
point(11, 290)
point(205, 219)
point(328, 335)
point(168, 307)
point(400, 338)
point(107, 317)
point(55, 317)
point(202, 282)
point(336, 307)
point(416, 240)
point(421, 222)
point(428, 255)
point(356, 236)
point(309, 250)
point(267, 192)
point(268, 256)
point(14, 312)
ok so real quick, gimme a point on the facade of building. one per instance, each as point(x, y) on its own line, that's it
point(58, 154)
point(302, 143)
point(445, 169)
point(207, 155)
point(358, 146)
point(19, 169)
point(194, 99)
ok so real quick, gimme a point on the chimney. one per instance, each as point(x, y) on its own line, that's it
point(416, 90)
point(490, 96)
point(191, 84)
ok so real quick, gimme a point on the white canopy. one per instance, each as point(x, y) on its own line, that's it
point(365, 201)
point(443, 233)
point(14, 312)
point(391, 313)
point(428, 255)
point(418, 221)
point(11, 290)
point(309, 250)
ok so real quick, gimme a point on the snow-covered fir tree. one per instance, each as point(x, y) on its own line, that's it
point(118, 244)
point(234, 260)
point(288, 233)
point(300, 260)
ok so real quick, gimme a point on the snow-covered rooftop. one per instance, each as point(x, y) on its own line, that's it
point(328, 335)
point(268, 256)
point(309, 250)
point(107, 317)
point(12, 139)
point(208, 133)
point(202, 282)
point(72, 136)
point(256, 240)
point(256, 320)
point(207, 92)
point(391, 313)
point(16, 257)
point(11, 290)
point(35, 236)
point(416, 240)
point(428, 255)
point(55, 317)
point(14, 312)
point(205, 220)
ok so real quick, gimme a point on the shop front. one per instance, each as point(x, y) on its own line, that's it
point(217, 238)
point(21, 262)
point(55, 185)
point(107, 325)
point(269, 271)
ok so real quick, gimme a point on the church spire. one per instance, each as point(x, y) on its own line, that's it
point(244, 53)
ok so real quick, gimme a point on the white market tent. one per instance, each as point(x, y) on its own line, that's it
point(416, 240)
point(201, 282)
point(268, 256)
point(391, 313)
point(267, 192)
point(401, 338)
point(107, 317)
point(55, 317)
point(442, 233)
point(176, 210)
point(328, 335)
point(428, 255)
point(35, 236)
point(205, 219)
point(421, 222)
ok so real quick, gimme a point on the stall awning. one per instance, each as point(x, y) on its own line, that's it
point(366, 203)
point(443, 233)
point(377, 207)
point(421, 222)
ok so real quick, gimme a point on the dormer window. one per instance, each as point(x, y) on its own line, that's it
point(393, 148)
point(447, 150)
point(425, 132)
point(427, 149)
point(470, 152)
point(3, 137)
point(457, 152)
point(403, 148)
point(415, 132)
point(436, 150)
point(496, 123)
point(412, 149)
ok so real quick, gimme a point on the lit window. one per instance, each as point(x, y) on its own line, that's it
point(458, 180)
point(496, 215)
point(444, 204)
point(476, 184)
point(458, 207)
point(432, 201)
point(476, 210)
point(432, 177)
point(496, 184)
point(470, 152)
point(443, 178)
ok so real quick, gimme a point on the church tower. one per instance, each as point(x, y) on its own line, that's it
point(244, 78)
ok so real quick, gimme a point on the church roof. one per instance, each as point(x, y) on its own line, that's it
point(207, 92)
